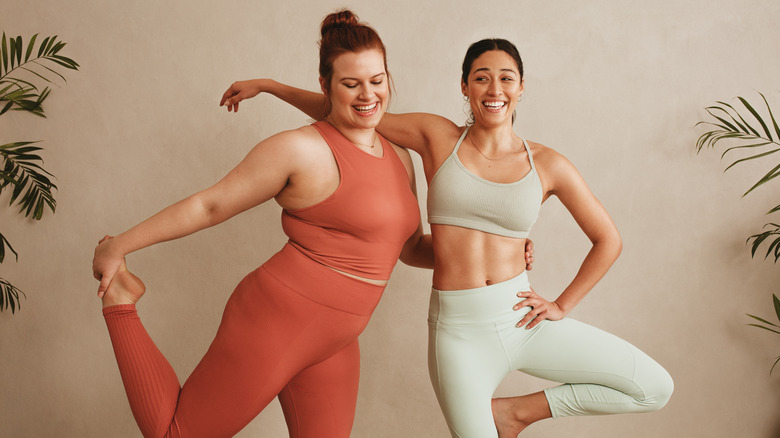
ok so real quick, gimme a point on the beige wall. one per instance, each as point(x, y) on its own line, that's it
point(616, 86)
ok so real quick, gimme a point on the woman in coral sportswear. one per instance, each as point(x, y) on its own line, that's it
point(290, 329)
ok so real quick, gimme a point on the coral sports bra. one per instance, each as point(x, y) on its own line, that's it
point(361, 228)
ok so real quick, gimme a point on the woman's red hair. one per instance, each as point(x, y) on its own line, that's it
point(342, 32)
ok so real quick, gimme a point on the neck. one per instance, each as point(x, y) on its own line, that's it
point(494, 139)
point(359, 136)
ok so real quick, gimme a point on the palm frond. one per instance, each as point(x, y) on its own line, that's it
point(3, 243)
point(19, 61)
point(769, 325)
point(757, 137)
point(9, 296)
point(774, 245)
point(32, 188)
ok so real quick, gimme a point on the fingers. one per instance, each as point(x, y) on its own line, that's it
point(538, 309)
point(227, 94)
point(104, 281)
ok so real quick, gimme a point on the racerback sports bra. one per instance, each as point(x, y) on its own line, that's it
point(457, 196)
point(361, 228)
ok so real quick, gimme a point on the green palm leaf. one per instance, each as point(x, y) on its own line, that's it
point(769, 325)
point(3, 243)
point(20, 163)
point(737, 125)
point(760, 238)
point(32, 189)
point(9, 296)
point(18, 60)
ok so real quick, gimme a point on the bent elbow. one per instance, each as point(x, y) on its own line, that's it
point(618, 244)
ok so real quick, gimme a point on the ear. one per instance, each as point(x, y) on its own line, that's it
point(323, 86)
point(464, 88)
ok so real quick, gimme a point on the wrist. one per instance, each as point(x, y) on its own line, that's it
point(562, 307)
point(265, 86)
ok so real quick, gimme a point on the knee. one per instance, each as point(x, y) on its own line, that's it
point(659, 391)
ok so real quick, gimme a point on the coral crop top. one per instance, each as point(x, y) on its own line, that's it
point(458, 197)
point(360, 228)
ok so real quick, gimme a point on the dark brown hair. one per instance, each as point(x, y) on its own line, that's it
point(477, 49)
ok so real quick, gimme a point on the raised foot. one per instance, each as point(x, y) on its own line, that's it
point(125, 288)
point(505, 415)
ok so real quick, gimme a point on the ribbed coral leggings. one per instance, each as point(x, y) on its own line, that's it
point(289, 329)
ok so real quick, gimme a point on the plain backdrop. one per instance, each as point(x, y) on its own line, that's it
point(616, 86)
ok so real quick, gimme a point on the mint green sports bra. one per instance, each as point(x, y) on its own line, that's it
point(458, 197)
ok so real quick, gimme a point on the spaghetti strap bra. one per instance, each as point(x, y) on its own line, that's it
point(458, 197)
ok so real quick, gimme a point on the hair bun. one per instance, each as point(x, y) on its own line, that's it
point(338, 20)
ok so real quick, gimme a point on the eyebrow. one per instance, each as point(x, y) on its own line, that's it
point(503, 69)
point(356, 79)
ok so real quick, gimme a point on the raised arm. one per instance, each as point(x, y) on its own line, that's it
point(261, 175)
point(312, 103)
point(561, 178)
point(415, 131)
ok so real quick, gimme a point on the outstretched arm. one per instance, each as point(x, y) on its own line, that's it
point(312, 103)
point(415, 131)
point(563, 180)
point(262, 174)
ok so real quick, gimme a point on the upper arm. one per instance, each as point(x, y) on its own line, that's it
point(416, 131)
point(565, 182)
point(261, 175)
point(417, 250)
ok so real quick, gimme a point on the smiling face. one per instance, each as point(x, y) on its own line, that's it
point(494, 86)
point(358, 90)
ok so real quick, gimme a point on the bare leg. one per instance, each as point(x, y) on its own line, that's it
point(514, 414)
point(125, 288)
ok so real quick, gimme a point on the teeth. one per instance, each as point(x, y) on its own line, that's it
point(494, 105)
point(365, 108)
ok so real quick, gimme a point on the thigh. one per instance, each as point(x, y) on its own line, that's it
point(268, 334)
point(320, 400)
point(570, 351)
point(466, 364)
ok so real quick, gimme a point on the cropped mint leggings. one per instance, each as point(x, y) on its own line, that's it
point(474, 344)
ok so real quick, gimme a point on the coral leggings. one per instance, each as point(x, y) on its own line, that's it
point(289, 329)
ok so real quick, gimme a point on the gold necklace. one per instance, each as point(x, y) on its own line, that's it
point(476, 146)
point(373, 142)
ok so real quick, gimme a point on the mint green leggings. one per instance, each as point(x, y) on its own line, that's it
point(474, 344)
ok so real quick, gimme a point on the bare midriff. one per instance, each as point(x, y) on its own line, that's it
point(367, 280)
point(467, 259)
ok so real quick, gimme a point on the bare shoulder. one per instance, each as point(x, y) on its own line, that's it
point(557, 173)
point(303, 139)
point(301, 145)
point(548, 159)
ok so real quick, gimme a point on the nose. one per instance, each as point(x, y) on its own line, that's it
point(366, 92)
point(495, 88)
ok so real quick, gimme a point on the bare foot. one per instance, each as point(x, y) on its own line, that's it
point(125, 288)
point(507, 422)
